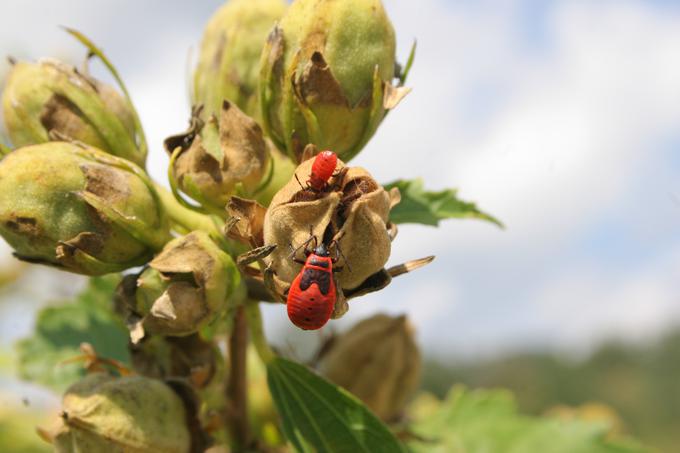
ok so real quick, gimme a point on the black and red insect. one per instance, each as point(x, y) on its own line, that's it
point(312, 295)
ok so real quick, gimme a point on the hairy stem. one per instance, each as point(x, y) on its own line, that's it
point(236, 389)
point(257, 336)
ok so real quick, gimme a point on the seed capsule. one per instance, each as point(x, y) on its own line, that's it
point(78, 208)
point(102, 413)
point(219, 156)
point(50, 100)
point(355, 211)
point(228, 63)
point(326, 74)
point(185, 287)
point(378, 361)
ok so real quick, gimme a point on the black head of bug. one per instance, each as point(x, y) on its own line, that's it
point(322, 250)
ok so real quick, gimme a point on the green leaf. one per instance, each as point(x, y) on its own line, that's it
point(487, 421)
point(420, 206)
point(61, 329)
point(319, 416)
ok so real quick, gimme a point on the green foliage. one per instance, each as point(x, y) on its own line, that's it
point(61, 329)
point(17, 431)
point(420, 206)
point(487, 421)
point(639, 382)
point(319, 416)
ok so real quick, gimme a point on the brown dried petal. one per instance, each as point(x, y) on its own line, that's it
point(243, 145)
point(318, 85)
point(392, 95)
point(208, 174)
point(248, 222)
point(187, 257)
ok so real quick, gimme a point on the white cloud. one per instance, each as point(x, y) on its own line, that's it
point(587, 304)
point(564, 141)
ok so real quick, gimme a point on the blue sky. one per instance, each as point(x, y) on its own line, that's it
point(561, 118)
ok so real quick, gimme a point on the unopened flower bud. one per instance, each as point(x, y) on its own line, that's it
point(102, 413)
point(185, 287)
point(228, 62)
point(79, 209)
point(326, 74)
point(378, 361)
point(354, 209)
point(215, 159)
point(50, 100)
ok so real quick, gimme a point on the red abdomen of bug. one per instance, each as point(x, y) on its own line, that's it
point(312, 295)
point(322, 169)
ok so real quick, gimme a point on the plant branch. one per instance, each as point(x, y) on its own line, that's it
point(236, 388)
point(185, 217)
point(257, 336)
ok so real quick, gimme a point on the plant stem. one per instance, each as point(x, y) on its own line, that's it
point(257, 336)
point(191, 220)
point(236, 388)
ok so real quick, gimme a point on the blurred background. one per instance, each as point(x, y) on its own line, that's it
point(560, 118)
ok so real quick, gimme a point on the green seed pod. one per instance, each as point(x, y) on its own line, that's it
point(377, 360)
point(50, 100)
point(79, 209)
point(228, 62)
point(185, 287)
point(326, 74)
point(213, 160)
point(130, 414)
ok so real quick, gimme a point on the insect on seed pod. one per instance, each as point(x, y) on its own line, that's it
point(312, 295)
point(354, 211)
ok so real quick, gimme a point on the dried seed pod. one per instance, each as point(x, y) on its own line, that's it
point(79, 209)
point(228, 62)
point(184, 288)
point(355, 209)
point(102, 413)
point(377, 360)
point(325, 75)
point(213, 159)
point(50, 100)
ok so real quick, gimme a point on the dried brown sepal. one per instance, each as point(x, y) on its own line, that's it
point(393, 95)
point(384, 277)
point(183, 140)
point(184, 288)
point(249, 226)
point(317, 83)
